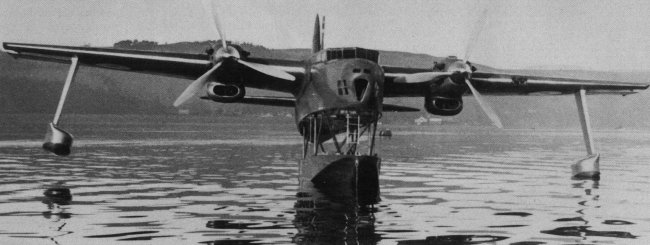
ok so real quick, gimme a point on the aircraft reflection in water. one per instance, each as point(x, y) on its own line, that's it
point(56, 199)
point(337, 94)
point(322, 220)
point(590, 204)
point(326, 217)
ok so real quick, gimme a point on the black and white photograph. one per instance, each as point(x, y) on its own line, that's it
point(241, 122)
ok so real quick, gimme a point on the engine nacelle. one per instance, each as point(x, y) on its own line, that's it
point(445, 97)
point(225, 93)
point(443, 106)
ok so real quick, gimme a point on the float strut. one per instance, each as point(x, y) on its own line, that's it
point(589, 167)
point(57, 140)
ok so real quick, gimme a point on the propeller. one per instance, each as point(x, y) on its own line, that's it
point(195, 87)
point(215, 20)
point(485, 106)
point(476, 33)
point(218, 57)
point(268, 70)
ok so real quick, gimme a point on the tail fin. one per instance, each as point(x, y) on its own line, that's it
point(322, 34)
point(317, 45)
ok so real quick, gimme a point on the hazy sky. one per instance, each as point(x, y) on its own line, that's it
point(601, 35)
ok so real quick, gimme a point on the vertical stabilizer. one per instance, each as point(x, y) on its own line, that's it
point(316, 43)
point(322, 34)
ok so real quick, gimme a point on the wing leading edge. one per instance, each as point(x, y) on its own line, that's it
point(188, 66)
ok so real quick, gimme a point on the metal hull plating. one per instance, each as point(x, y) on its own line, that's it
point(341, 178)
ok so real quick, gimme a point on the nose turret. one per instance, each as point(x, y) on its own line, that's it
point(360, 85)
point(356, 82)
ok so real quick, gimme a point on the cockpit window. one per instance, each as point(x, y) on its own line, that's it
point(351, 53)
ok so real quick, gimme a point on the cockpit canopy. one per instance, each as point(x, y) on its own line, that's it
point(348, 53)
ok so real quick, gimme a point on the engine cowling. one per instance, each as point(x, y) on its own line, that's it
point(444, 97)
point(443, 106)
point(225, 93)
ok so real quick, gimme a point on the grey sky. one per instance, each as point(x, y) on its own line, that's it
point(601, 35)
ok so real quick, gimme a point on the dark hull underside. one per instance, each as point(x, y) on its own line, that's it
point(341, 178)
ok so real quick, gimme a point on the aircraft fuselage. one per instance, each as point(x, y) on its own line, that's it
point(335, 87)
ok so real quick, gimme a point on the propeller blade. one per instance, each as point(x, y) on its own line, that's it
point(195, 86)
point(268, 70)
point(476, 33)
point(215, 20)
point(421, 77)
point(484, 105)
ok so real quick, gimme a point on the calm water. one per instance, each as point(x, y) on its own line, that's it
point(189, 180)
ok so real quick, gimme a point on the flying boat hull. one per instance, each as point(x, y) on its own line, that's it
point(341, 178)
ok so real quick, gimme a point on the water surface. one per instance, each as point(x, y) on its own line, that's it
point(189, 180)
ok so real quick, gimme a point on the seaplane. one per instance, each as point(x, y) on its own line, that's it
point(338, 95)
